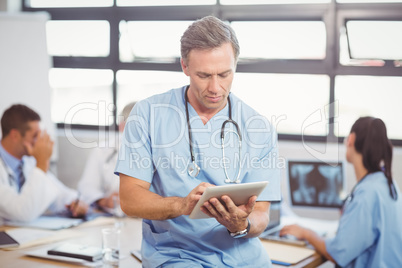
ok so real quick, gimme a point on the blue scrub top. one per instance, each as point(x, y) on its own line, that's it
point(370, 229)
point(156, 149)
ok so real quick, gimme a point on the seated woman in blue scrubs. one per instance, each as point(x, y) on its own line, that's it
point(370, 228)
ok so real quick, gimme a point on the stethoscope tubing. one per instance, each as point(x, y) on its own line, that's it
point(194, 169)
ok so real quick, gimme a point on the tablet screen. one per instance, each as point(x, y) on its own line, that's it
point(239, 193)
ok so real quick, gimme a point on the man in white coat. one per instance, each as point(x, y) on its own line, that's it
point(99, 185)
point(27, 188)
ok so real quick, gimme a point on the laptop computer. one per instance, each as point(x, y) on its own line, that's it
point(272, 231)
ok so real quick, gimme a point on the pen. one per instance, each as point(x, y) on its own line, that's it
point(281, 263)
point(75, 203)
point(77, 200)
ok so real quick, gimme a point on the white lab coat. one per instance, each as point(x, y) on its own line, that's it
point(98, 179)
point(41, 192)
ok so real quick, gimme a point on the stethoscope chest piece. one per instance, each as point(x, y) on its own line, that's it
point(193, 169)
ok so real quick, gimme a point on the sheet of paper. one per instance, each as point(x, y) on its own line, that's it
point(99, 222)
point(287, 253)
point(25, 235)
point(47, 222)
point(28, 237)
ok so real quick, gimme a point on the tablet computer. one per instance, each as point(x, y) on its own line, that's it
point(239, 193)
point(84, 252)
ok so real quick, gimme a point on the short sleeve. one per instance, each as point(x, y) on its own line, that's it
point(262, 137)
point(135, 154)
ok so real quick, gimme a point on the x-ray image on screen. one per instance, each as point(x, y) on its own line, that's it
point(316, 184)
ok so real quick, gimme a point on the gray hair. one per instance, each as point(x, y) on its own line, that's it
point(208, 33)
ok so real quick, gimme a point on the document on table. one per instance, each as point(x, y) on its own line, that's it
point(47, 222)
point(286, 254)
point(28, 237)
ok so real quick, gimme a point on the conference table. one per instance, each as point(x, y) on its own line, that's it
point(89, 233)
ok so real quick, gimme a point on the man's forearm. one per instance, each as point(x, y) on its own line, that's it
point(259, 219)
point(155, 208)
point(137, 201)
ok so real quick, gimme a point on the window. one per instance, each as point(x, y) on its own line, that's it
point(138, 85)
point(70, 3)
point(379, 40)
point(82, 96)
point(369, 96)
point(303, 63)
point(368, 1)
point(281, 40)
point(270, 96)
point(262, 2)
point(78, 38)
point(151, 40)
point(164, 2)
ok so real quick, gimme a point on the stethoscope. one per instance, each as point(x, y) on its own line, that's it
point(350, 196)
point(193, 169)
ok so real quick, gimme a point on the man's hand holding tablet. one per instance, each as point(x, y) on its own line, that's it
point(239, 193)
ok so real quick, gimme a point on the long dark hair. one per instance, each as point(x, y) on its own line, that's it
point(373, 143)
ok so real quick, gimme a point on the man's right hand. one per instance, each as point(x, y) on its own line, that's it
point(192, 198)
point(41, 150)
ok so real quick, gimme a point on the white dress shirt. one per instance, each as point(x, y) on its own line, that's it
point(98, 179)
point(40, 192)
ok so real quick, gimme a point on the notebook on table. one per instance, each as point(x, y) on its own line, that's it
point(7, 241)
point(84, 252)
point(272, 231)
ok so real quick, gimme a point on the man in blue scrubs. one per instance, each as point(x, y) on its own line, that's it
point(162, 177)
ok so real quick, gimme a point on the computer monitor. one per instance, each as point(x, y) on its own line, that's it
point(316, 184)
point(274, 215)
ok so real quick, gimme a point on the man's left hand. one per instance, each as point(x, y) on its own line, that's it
point(233, 217)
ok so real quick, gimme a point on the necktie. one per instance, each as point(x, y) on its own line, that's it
point(21, 180)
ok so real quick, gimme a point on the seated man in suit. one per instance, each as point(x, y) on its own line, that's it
point(27, 188)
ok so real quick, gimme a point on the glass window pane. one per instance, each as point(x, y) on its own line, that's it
point(82, 96)
point(78, 38)
point(164, 2)
point(369, 96)
point(281, 39)
point(369, 1)
point(263, 2)
point(151, 40)
point(70, 3)
point(375, 39)
point(138, 85)
point(344, 54)
point(294, 104)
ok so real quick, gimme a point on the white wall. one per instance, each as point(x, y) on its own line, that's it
point(25, 64)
